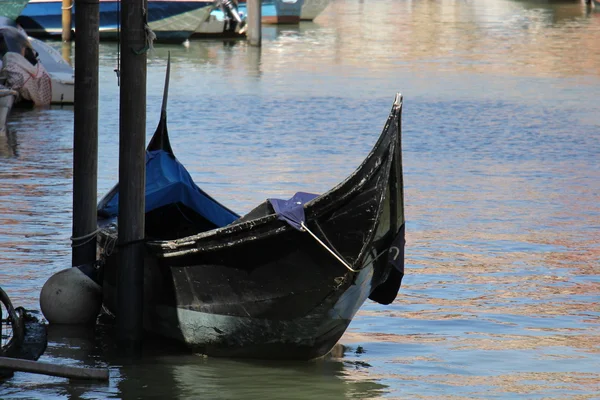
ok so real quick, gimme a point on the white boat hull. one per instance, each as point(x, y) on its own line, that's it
point(63, 88)
point(312, 8)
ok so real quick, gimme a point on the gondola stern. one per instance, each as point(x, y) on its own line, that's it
point(387, 290)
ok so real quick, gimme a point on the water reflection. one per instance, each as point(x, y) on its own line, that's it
point(8, 144)
point(168, 371)
point(185, 377)
point(500, 153)
point(486, 36)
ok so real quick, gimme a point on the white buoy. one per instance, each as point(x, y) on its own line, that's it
point(70, 297)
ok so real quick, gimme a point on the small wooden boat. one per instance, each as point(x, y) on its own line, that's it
point(284, 280)
point(173, 21)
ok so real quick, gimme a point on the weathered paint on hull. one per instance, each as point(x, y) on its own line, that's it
point(306, 337)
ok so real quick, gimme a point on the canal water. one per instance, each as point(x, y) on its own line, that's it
point(501, 149)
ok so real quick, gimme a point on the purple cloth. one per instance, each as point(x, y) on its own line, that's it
point(292, 210)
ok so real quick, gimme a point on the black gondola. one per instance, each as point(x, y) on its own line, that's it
point(283, 281)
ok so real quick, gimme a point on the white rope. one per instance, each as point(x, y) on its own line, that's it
point(88, 238)
point(150, 37)
point(109, 246)
point(344, 263)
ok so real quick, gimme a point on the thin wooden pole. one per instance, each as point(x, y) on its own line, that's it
point(254, 23)
point(132, 177)
point(67, 9)
point(65, 371)
point(66, 52)
point(85, 143)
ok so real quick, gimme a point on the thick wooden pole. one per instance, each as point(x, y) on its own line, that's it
point(67, 9)
point(85, 143)
point(132, 177)
point(254, 22)
point(66, 52)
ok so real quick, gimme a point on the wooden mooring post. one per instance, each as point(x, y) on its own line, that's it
point(254, 32)
point(85, 138)
point(132, 177)
point(67, 10)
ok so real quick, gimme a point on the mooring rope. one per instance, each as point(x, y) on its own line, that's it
point(150, 36)
point(109, 246)
point(87, 238)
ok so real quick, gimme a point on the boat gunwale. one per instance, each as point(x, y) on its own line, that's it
point(193, 244)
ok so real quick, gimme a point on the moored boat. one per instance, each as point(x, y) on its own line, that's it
point(312, 8)
point(284, 280)
point(35, 71)
point(61, 73)
point(172, 21)
point(11, 9)
point(224, 21)
point(281, 11)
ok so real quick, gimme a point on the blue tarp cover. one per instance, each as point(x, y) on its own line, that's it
point(292, 210)
point(168, 182)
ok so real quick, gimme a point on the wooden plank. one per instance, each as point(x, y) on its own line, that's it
point(65, 371)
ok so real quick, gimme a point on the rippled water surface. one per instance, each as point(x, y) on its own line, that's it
point(501, 148)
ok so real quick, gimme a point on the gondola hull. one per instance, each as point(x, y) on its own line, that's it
point(258, 286)
point(280, 296)
point(294, 326)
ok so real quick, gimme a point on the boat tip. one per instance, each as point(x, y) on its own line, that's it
point(398, 99)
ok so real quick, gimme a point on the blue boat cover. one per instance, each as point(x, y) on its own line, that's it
point(292, 210)
point(168, 182)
